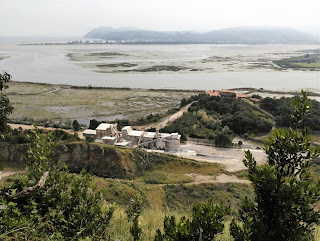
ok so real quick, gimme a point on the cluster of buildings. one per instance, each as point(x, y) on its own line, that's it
point(127, 137)
point(88, 42)
point(230, 93)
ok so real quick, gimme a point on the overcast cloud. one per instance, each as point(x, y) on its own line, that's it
point(77, 17)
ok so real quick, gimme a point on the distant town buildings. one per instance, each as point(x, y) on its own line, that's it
point(108, 134)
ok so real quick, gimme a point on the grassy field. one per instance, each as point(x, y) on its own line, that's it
point(161, 199)
point(308, 61)
point(53, 102)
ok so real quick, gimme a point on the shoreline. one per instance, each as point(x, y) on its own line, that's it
point(249, 89)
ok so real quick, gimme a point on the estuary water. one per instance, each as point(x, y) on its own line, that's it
point(226, 66)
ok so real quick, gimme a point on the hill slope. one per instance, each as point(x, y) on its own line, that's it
point(229, 35)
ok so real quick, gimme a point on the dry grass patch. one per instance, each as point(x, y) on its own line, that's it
point(57, 102)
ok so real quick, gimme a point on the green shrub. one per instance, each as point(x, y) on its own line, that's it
point(66, 207)
point(206, 221)
point(133, 212)
point(286, 198)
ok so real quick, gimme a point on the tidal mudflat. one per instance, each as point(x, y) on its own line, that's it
point(211, 66)
point(179, 58)
point(61, 102)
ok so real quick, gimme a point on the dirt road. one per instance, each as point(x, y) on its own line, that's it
point(6, 173)
point(222, 178)
point(164, 121)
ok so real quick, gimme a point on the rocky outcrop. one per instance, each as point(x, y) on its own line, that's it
point(103, 161)
point(16, 153)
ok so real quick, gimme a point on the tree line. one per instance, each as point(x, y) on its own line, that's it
point(281, 110)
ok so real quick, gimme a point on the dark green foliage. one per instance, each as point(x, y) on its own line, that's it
point(206, 221)
point(5, 106)
point(236, 114)
point(245, 121)
point(18, 136)
point(173, 110)
point(208, 118)
point(65, 208)
point(133, 211)
point(246, 136)
point(90, 139)
point(122, 123)
point(3, 160)
point(94, 124)
point(285, 201)
point(281, 109)
point(149, 119)
point(60, 135)
point(5, 110)
point(192, 98)
point(223, 137)
point(75, 125)
point(4, 79)
point(152, 129)
point(256, 97)
point(188, 124)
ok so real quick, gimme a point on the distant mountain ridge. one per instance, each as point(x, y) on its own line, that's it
point(228, 35)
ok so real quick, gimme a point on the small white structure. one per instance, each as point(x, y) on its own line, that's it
point(123, 144)
point(109, 140)
point(89, 132)
point(125, 131)
point(105, 129)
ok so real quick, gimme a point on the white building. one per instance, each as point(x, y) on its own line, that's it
point(105, 129)
point(108, 134)
point(152, 140)
point(90, 132)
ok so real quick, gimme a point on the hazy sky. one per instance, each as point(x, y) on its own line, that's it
point(77, 17)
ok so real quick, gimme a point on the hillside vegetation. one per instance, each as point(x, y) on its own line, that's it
point(281, 110)
point(218, 118)
point(229, 35)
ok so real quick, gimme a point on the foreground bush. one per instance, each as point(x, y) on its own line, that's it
point(206, 221)
point(286, 198)
point(61, 206)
